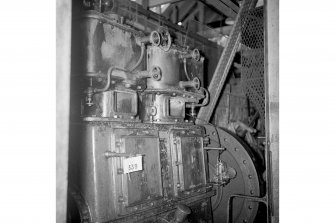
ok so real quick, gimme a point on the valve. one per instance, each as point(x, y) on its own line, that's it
point(195, 83)
point(223, 173)
point(195, 55)
point(166, 40)
point(154, 38)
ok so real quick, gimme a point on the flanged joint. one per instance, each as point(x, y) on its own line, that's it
point(156, 73)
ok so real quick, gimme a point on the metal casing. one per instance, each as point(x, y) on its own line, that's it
point(114, 104)
point(102, 42)
point(169, 64)
point(110, 194)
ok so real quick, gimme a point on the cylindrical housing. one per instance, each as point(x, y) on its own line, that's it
point(169, 64)
point(99, 43)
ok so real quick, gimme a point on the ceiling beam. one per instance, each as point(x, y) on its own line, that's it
point(225, 7)
point(154, 3)
point(231, 5)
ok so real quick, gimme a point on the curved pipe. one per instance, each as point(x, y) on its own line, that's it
point(111, 69)
point(218, 199)
point(139, 60)
point(185, 69)
point(109, 74)
point(205, 100)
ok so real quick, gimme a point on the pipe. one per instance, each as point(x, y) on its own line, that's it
point(185, 69)
point(140, 59)
point(218, 198)
point(109, 74)
point(111, 69)
point(195, 83)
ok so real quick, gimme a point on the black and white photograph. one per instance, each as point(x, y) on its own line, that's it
point(167, 111)
point(173, 113)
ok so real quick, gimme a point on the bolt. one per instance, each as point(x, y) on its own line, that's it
point(119, 171)
point(113, 82)
point(115, 116)
point(121, 199)
point(139, 87)
point(127, 85)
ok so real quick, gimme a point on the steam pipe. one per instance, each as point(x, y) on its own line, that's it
point(185, 69)
point(140, 59)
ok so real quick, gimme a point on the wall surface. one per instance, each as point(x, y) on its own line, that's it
point(63, 41)
point(272, 100)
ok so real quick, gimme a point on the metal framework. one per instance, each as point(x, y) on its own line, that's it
point(222, 69)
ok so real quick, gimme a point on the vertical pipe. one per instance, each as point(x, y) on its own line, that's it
point(63, 43)
point(272, 104)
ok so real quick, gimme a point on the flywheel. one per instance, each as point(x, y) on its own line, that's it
point(236, 155)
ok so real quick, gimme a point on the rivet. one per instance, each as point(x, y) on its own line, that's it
point(251, 192)
point(249, 207)
point(244, 162)
point(250, 177)
point(244, 221)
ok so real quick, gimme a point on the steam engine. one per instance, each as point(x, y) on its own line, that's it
point(136, 154)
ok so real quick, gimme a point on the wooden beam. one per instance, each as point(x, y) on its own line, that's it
point(221, 8)
point(231, 5)
point(154, 3)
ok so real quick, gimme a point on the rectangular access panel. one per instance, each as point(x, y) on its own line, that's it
point(188, 161)
point(144, 185)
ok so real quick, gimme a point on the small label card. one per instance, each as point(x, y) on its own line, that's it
point(132, 164)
